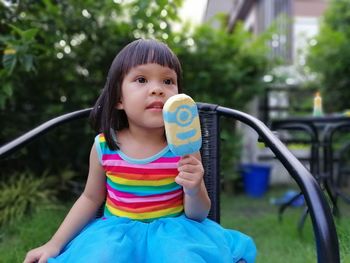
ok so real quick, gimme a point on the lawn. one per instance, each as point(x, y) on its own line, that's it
point(280, 241)
point(277, 241)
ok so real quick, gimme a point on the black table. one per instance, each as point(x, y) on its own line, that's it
point(321, 131)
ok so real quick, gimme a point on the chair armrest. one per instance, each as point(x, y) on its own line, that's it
point(7, 149)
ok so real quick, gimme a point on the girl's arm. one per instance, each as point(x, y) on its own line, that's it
point(83, 210)
point(196, 199)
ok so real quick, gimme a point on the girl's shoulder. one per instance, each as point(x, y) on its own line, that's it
point(101, 146)
point(100, 140)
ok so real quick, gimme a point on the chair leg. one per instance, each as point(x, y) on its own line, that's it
point(302, 219)
point(345, 197)
point(284, 206)
point(333, 198)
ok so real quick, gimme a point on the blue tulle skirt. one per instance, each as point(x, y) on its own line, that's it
point(116, 239)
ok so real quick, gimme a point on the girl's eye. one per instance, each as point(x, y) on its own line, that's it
point(141, 80)
point(168, 81)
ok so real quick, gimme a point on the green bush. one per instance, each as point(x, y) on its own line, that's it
point(330, 57)
point(225, 69)
point(22, 194)
point(55, 57)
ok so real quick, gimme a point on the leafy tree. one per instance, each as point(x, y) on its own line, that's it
point(224, 68)
point(55, 57)
point(330, 57)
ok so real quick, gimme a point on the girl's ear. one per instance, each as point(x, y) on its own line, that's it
point(119, 106)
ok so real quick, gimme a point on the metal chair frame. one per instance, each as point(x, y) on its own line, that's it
point(327, 246)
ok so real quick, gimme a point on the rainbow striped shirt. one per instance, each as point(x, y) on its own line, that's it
point(140, 189)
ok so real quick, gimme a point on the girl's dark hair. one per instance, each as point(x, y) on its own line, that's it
point(104, 116)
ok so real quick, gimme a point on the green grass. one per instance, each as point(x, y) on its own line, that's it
point(280, 241)
point(33, 231)
point(276, 241)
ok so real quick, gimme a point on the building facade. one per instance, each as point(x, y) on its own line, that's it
point(295, 21)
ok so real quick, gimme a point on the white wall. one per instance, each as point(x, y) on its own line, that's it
point(304, 29)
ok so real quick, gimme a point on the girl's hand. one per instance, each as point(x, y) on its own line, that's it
point(190, 175)
point(41, 254)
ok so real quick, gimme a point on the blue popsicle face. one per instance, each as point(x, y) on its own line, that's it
point(183, 127)
point(182, 116)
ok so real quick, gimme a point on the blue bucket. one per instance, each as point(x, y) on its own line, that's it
point(256, 178)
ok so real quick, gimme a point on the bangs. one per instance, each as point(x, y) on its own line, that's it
point(149, 51)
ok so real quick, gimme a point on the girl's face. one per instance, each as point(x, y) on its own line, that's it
point(145, 89)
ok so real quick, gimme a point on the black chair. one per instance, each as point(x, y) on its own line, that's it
point(341, 180)
point(330, 157)
point(325, 234)
point(313, 159)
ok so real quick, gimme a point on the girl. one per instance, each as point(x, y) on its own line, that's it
point(156, 203)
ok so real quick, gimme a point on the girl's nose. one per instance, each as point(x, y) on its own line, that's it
point(157, 89)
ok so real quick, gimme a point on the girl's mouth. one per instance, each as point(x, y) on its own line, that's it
point(157, 105)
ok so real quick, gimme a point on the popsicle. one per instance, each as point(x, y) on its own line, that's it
point(182, 125)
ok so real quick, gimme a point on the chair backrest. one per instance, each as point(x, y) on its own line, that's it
point(323, 225)
point(210, 150)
